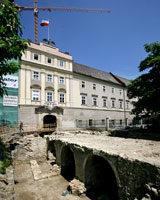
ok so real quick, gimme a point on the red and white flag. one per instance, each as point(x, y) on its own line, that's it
point(44, 23)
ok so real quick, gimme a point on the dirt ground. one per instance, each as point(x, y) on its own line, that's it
point(34, 176)
point(26, 188)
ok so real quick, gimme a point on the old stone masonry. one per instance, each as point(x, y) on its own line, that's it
point(81, 165)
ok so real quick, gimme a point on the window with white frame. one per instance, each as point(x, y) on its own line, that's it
point(104, 88)
point(49, 78)
point(120, 104)
point(113, 101)
point(35, 95)
point(61, 97)
point(36, 75)
point(104, 102)
point(49, 96)
point(61, 80)
point(94, 101)
point(94, 86)
point(83, 84)
point(61, 63)
point(112, 90)
point(83, 100)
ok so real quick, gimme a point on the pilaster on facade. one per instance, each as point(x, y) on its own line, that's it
point(43, 79)
point(67, 92)
point(28, 86)
point(22, 83)
point(55, 88)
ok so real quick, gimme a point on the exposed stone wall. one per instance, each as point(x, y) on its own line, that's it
point(131, 175)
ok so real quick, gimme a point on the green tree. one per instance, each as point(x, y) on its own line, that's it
point(11, 44)
point(146, 88)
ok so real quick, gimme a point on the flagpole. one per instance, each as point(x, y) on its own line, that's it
point(48, 31)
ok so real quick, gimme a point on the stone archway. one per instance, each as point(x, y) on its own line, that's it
point(67, 163)
point(49, 121)
point(100, 180)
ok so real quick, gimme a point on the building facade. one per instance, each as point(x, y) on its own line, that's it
point(54, 89)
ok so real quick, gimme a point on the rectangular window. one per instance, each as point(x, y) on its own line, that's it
point(49, 78)
point(90, 122)
point(104, 88)
point(35, 95)
point(49, 96)
point(94, 86)
point(36, 75)
point(120, 104)
point(94, 101)
point(83, 84)
point(120, 122)
point(49, 60)
point(104, 102)
point(83, 100)
point(36, 56)
point(61, 80)
point(112, 90)
point(60, 63)
point(103, 122)
point(61, 98)
point(120, 92)
point(113, 103)
point(79, 123)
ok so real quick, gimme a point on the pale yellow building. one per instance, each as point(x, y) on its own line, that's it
point(54, 89)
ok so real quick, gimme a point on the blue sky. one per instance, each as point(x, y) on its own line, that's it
point(111, 42)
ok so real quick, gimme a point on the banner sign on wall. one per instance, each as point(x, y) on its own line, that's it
point(11, 81)
point(10, 100)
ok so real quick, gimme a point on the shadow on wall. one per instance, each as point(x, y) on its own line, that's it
point(67, 163)
point(100, 180)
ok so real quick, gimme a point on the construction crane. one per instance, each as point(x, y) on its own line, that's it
point(37, 9)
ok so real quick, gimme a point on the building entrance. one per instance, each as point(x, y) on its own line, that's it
point(49, 121)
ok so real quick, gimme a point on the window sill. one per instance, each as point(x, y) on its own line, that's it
point(35, 100)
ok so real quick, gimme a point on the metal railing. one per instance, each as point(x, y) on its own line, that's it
point(106, 124)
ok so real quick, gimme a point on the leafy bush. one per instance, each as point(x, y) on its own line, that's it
point(5, 158)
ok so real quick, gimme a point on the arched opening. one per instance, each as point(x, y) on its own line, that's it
point(49, 121)
point(100, 180)
point(67, 163)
